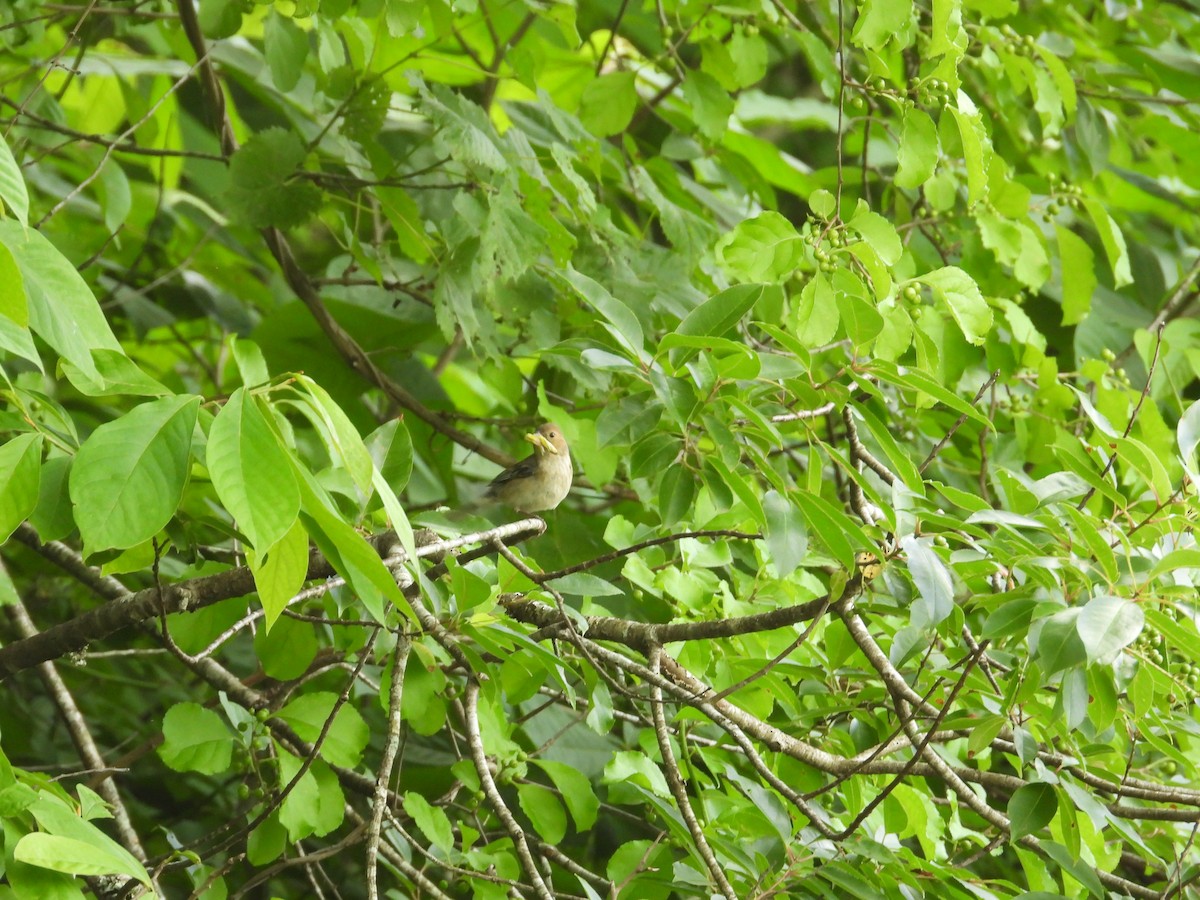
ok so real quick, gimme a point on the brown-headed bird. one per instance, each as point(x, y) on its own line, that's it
point(540, 481)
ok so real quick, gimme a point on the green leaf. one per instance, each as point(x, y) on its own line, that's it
point(1059, 644)
point(970, 131)
point(263, 190)
point(635, 766)
point(407, 222)
point(1108, 624)
point(739, 486)
point(14, 304)
point(252, 472)
point(822, 203)
point(621, 321)
point(13, 195)
point(934, 585)
point(220, 18)
point(20, 481)
point(831, 525)
point(1187, 435)
point(915, 379)
point(1080, 870)
point(879, 233)
point(1011, 618)
point(711, 103)
point(958, 290)
point(464, 131)
point(947, 33)
point(266, 843)
point(608, 103)
point(881, 20)
point(576, 791)
point(316, 805)
point(285, 46)
point(584, 584)
point(347, 736)
point(858, 314)
point(1092, 137)
point(52, 517)
point(115, 197)
point(898, 458)
point(116, 375)
point(76, 857)
point(720, 313)
point(252, 365)
point(348, 551)
point(918, 152)
point(878, 276)
point(1186, 558)
point(816, 314)
point(422, 705)
point(62, 309)
point(1032, 267)
point(128, 477)
point(59, 816)
point(432, 820)
point(280, 571)
point(787, 536)
point(984, 731)
point(391, 449)
point(1181, 636)
point(1113, 241)
point(676, 494)
point(1031, 807)
point(1137, 457)
point(1047, 101)
point(341, 438)
point(287, 649)
point(1062, 77)
point(1078, 275)
point(764, 248)
point(544, 811)
point(195, 739)
point(750, 57)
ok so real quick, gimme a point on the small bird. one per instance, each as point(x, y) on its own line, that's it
point(540, 481)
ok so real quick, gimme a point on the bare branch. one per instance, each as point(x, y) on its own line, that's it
point(678, 790)
point(81, 735)
point(384, 775)
point(946, 438)
point(479, 757)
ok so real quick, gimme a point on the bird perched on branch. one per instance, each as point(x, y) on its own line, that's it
point(538, 482)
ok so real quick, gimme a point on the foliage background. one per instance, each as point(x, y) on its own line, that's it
point(869, 325)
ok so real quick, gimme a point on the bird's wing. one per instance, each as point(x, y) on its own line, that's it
point(526, 468)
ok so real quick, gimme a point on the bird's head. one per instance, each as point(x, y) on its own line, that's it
point(548, 439)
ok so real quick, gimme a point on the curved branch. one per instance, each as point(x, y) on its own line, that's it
point(479, 757)
point(81, 736)
point(643, 635)
point(126, 608)
point(390, 748)
point(678, 789)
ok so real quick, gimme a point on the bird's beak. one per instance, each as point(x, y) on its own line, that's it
point(541, 442)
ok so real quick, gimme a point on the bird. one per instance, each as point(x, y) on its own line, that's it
point(540, 481)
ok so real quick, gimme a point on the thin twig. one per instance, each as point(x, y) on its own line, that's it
point(937, 448)
point(1112, 457)
point(109, 149)
point(390, 748)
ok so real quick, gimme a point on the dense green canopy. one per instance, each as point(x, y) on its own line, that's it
point(870, 328)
